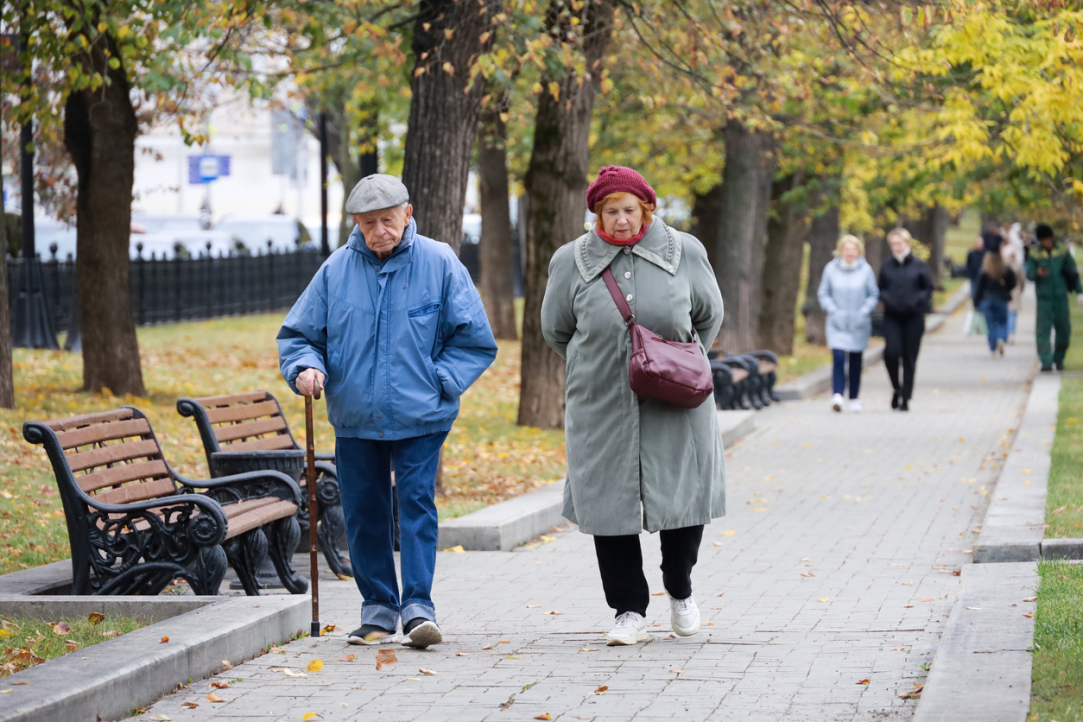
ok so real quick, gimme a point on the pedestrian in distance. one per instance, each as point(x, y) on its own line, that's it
point(1013, 257)
point(906, 289)
point(392, 328)
point(993, 293)
point(1054, 273)
point(973, 262)
point(635, 463)
point(848, 293)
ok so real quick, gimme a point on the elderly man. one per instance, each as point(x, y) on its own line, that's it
point(394, 331)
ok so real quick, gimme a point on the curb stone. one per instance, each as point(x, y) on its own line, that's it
point(819, 380)
point(109, 679)
point(1014, 525)
point(982, 666)
point(503, 526)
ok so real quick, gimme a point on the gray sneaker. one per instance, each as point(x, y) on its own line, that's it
point(421, 633)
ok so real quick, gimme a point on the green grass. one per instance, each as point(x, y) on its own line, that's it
point(1057, 672)
point(27, 642)
point(1064, 502)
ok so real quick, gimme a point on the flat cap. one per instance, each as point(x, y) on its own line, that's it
point(375, 193)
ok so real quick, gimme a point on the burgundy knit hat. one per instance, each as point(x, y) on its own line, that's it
point(618, 179)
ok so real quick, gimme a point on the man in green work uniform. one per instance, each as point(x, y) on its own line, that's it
point(1054, 273)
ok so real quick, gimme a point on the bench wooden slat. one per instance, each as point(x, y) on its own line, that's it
point(137, 492)
point(103, 432)
point(269, 443)
point(738, 375)
point(73, 422)
point(122, 473)
point(110, 454)
point(249, 520)
point(230, 399)
point(232, 432)
point(767, 367)
point(242, 412)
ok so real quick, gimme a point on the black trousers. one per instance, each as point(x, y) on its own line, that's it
point(620, 560)
point(902, 341)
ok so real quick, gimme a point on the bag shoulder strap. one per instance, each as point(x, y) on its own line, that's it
point(614, 291)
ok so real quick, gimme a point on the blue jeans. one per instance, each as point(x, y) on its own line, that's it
point(995, 311)
point(838, 372)
point(1012, 315)
point(364, 480)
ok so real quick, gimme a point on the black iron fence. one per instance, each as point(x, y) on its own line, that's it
point(187, 289)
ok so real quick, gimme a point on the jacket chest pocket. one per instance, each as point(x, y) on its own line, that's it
point(424, 322)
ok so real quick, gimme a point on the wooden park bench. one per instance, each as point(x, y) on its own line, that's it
point(744, 380)
point(135, 524)
point(242, 432)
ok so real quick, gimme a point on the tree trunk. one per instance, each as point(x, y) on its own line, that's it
point(707, 218)
point(99, 131)
point(444, 112)
point(823, 236)
point(497, 254)
point(556, 181)
point(739, 248)
point(787, 231)
point(7, 382)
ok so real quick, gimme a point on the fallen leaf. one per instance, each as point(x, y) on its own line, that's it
point(427, 672)
point(976, 609)
point(189, 705)
point(912, 693)
point(1028, 615)
point(462, 654)
point(385, 657)
point(71, 645)
point(5, 691)
point(657, 594)
point(677, 671)
point(543, 715)
point(602, 690)
point(220, 685)
point(545, 538)
point(555, 613)
point(863, 681)
point(458, 549)
point(328, 629)
point(18, 684)
point(504, 641)
point(61, 628)
point(212, 697)
point(290, 673)
point(898, 565)
point(808, 574)
point(487, 646)
point(510, 657)
point(587, 649)
point(824, 599)
point(1026, 471)
point(927, 599)
point(315, 665)
point(347, 658)
point(96, 617)
point(226, 666)
point(717, 543)
point(163, 640)
point(308, 715)
point(731, 532)
point(532, 606)
point(1030, 599)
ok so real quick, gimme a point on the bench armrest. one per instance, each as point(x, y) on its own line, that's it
point(249, 485)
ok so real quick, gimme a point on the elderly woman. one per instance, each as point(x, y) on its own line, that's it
point(635, 463)
point(906, 288)
point(848, 293)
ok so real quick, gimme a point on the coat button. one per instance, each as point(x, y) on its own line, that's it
point(628, 297)
point(379, 416)
point(627, 251)
point(627, 274)
point(670, 269)
point(381, 434)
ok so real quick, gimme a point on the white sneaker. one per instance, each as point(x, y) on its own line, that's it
point(855, 406)
point(631, 627)
point(837, 402)
point(684, 615)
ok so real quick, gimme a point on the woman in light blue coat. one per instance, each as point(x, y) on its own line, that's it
point(848, 293)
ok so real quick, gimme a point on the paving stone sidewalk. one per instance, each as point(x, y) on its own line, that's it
point(824, 591)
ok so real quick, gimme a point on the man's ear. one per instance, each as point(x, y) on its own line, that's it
point(408, 213)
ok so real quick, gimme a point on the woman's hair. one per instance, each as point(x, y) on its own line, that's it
point(901, 233)
point(993, 265)
point(643, 205)
point(849, 239)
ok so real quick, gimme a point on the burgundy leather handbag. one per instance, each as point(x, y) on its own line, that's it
point(669, 371)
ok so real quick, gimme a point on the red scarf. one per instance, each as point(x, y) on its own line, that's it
point(621, 241)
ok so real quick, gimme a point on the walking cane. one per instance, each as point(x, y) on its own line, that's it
point(310, 471)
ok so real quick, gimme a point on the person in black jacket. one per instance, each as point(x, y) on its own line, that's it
point(906, 289)
point(992, 293)
point(973, 263)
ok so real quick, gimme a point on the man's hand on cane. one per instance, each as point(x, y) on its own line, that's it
point(310, 382)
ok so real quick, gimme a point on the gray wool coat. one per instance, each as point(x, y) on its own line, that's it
point(848, 295)
point(634, 463)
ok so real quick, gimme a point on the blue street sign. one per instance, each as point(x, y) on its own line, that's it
point(207, 168)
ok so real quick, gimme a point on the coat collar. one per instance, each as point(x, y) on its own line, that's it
point(398, 257)
point(661, 246)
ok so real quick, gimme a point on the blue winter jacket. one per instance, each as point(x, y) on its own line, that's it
point(399, 342)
